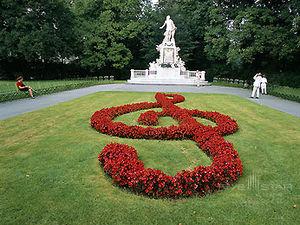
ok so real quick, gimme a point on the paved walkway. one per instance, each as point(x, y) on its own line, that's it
point(17, 107)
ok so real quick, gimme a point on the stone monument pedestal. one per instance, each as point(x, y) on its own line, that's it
point(168, 73)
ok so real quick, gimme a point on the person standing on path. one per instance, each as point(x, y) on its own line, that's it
point(256, 85)
point(263, 85)
point(22, 87)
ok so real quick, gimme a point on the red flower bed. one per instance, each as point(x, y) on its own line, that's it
point(121, 161)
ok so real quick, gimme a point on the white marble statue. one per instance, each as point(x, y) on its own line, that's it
point(200, 77)
point(153, 66)
point(181, 64)
point(168, 68)
point(170, 30)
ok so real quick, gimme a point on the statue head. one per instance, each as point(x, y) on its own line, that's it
point(168, 17)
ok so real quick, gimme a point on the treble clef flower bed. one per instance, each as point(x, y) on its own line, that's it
point(121, 161)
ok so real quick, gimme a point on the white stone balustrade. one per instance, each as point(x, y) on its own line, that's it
point(139, 73)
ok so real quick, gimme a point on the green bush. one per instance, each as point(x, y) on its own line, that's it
point(9, 91)
point(292, 94)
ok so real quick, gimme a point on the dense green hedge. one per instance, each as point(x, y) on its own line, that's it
point(292, 94)
point(288, 93)
point(13, 95)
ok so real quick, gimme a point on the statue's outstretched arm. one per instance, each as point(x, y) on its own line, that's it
point(163, 26)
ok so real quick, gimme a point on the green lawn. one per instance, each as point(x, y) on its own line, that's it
point(50, 173)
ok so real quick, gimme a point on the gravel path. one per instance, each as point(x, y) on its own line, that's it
point(17, 107)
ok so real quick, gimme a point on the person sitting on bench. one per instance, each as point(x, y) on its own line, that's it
point(22, 87)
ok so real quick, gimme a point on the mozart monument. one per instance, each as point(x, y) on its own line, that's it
point(169, 67)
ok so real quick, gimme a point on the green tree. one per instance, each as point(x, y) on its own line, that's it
point(36, 30)
point(254, 35)
point(258, 32)
point(107, 28)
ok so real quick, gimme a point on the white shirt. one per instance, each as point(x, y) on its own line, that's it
point(257, 80)
point(264, 80)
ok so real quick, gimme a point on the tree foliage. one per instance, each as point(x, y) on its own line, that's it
point(36, 30)
point(258, 34)
point(106, 28)
point(227, 38)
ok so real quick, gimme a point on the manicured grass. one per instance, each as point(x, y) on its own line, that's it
point(8, 90)
point(50, 173)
